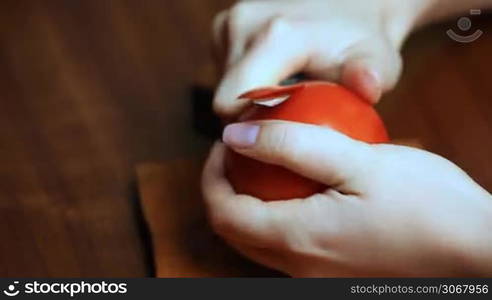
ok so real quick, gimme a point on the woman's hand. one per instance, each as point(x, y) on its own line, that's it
point(353, 42)
point(390, 210)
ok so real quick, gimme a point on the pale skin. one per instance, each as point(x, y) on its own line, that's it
point(390, 210)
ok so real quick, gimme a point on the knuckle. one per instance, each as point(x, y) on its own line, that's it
point(241, 8)
point(288, 234)
point(282, 143)
point(238, 15)
point(219, 20)
point(278, 138)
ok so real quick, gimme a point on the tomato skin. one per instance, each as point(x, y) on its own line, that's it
point(319, 103)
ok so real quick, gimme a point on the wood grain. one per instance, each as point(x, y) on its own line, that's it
point(87, 90)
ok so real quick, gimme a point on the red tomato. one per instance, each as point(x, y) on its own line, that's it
point(319, 103)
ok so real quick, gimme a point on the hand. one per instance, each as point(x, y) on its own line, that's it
point(390, 210)
point(353, 42)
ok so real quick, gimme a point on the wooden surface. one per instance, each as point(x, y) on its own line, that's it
point(91, 88)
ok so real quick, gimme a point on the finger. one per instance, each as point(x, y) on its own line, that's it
point(237, 217)
point(245, 20)
point(234, 28)
point(315, 152)
point(371, 69)
point(280, 51)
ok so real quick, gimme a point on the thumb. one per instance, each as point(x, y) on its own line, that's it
point(315, 152)
point(277, 53)
point(371, 69)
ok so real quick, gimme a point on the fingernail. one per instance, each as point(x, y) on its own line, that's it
point(240, 135)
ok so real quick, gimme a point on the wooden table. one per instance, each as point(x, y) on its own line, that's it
point(91, 89)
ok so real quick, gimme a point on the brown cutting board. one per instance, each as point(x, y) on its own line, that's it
point(183, 243)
